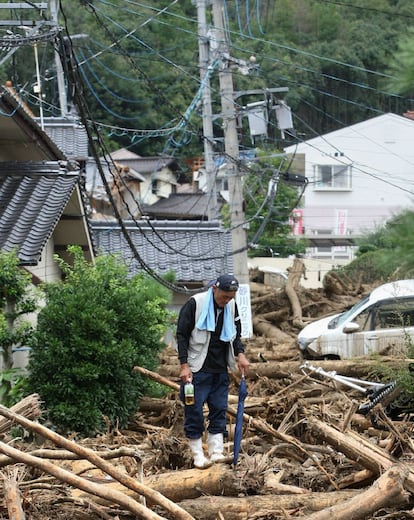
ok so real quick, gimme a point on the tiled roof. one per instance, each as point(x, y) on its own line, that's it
point(69, 135)
point(187, 206)
point(145, 164)
point(33, 196)
point(195, 252)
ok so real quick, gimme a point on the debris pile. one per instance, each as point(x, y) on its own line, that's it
point(307, 450)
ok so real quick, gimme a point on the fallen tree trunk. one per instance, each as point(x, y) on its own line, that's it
point(358, 448)
point(262, 506)
point(261, 290)
point(276, 316)
point(90, 487)
point(273, 352)
point(94, 458)
point(263, 328)
point(12, 496)
point(293, 282)
point(354, 446)
point(357, 367)
point(123, 451)
point(218, 479)
point(387, 491)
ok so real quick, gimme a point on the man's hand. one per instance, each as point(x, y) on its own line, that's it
point(243, 363)
point(185, 373)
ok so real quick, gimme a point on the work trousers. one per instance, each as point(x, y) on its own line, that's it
point(212, 389)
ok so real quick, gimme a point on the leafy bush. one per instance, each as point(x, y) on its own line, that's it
point(95, 327)
point(12, 384)
point(17, 300)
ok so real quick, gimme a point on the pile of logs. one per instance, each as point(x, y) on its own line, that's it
point(279, 314)
point(307, 450)
point(306, 453)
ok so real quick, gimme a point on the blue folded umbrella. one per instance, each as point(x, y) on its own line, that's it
point(239, 420)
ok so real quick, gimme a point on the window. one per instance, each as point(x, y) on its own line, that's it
point(395, 314)
point(333, 177)
point(222, 184)
point(363, 320)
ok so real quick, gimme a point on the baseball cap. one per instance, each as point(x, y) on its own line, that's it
point(227, 282)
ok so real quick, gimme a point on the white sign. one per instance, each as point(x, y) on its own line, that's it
point(245, 310)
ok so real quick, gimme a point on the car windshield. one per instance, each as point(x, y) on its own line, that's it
point(342, 318)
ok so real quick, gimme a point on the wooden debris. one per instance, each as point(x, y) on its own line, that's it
point(12, 494)
point(306, 452)
point(388, 490)
point(90, 487)
point(28, 407)
point(93, 457)
point(266, 506)
point(292, 285)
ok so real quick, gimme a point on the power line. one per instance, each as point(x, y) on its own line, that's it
point(392, 13)
point(338, 159)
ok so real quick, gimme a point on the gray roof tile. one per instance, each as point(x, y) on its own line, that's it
point(187, 206)
point(68, 134)
point(195, 251)
point(31, 204)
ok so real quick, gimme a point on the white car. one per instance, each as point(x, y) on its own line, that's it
point(382, 323)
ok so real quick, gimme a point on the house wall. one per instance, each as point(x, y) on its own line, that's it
point(201, 181)
point(47, 269)
point(380, 153)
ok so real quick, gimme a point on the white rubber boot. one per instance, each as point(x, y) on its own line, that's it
point(200, 460)
point(215, 443)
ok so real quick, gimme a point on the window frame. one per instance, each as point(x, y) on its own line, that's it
point(335, 170)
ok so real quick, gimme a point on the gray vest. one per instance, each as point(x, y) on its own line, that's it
point(200, 339)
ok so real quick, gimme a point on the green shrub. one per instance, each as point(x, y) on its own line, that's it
point(12, 384)
point(95, 327)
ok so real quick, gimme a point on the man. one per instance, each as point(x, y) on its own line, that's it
point(208, 341)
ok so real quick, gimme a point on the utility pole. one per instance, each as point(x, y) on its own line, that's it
point(205, 69)
point(58, 64)
point(231, 146)
point(234, 177)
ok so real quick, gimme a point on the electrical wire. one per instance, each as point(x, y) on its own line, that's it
point(174, 64)
point(176, 251)
point(339, 160)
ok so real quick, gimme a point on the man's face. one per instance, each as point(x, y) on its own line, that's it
point(223, 297)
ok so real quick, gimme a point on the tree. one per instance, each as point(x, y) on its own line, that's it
point(402, 65)
point(96, 326)
point(138, 65)
point(16, 300)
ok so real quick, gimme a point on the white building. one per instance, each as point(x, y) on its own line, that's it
point(358, 178)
